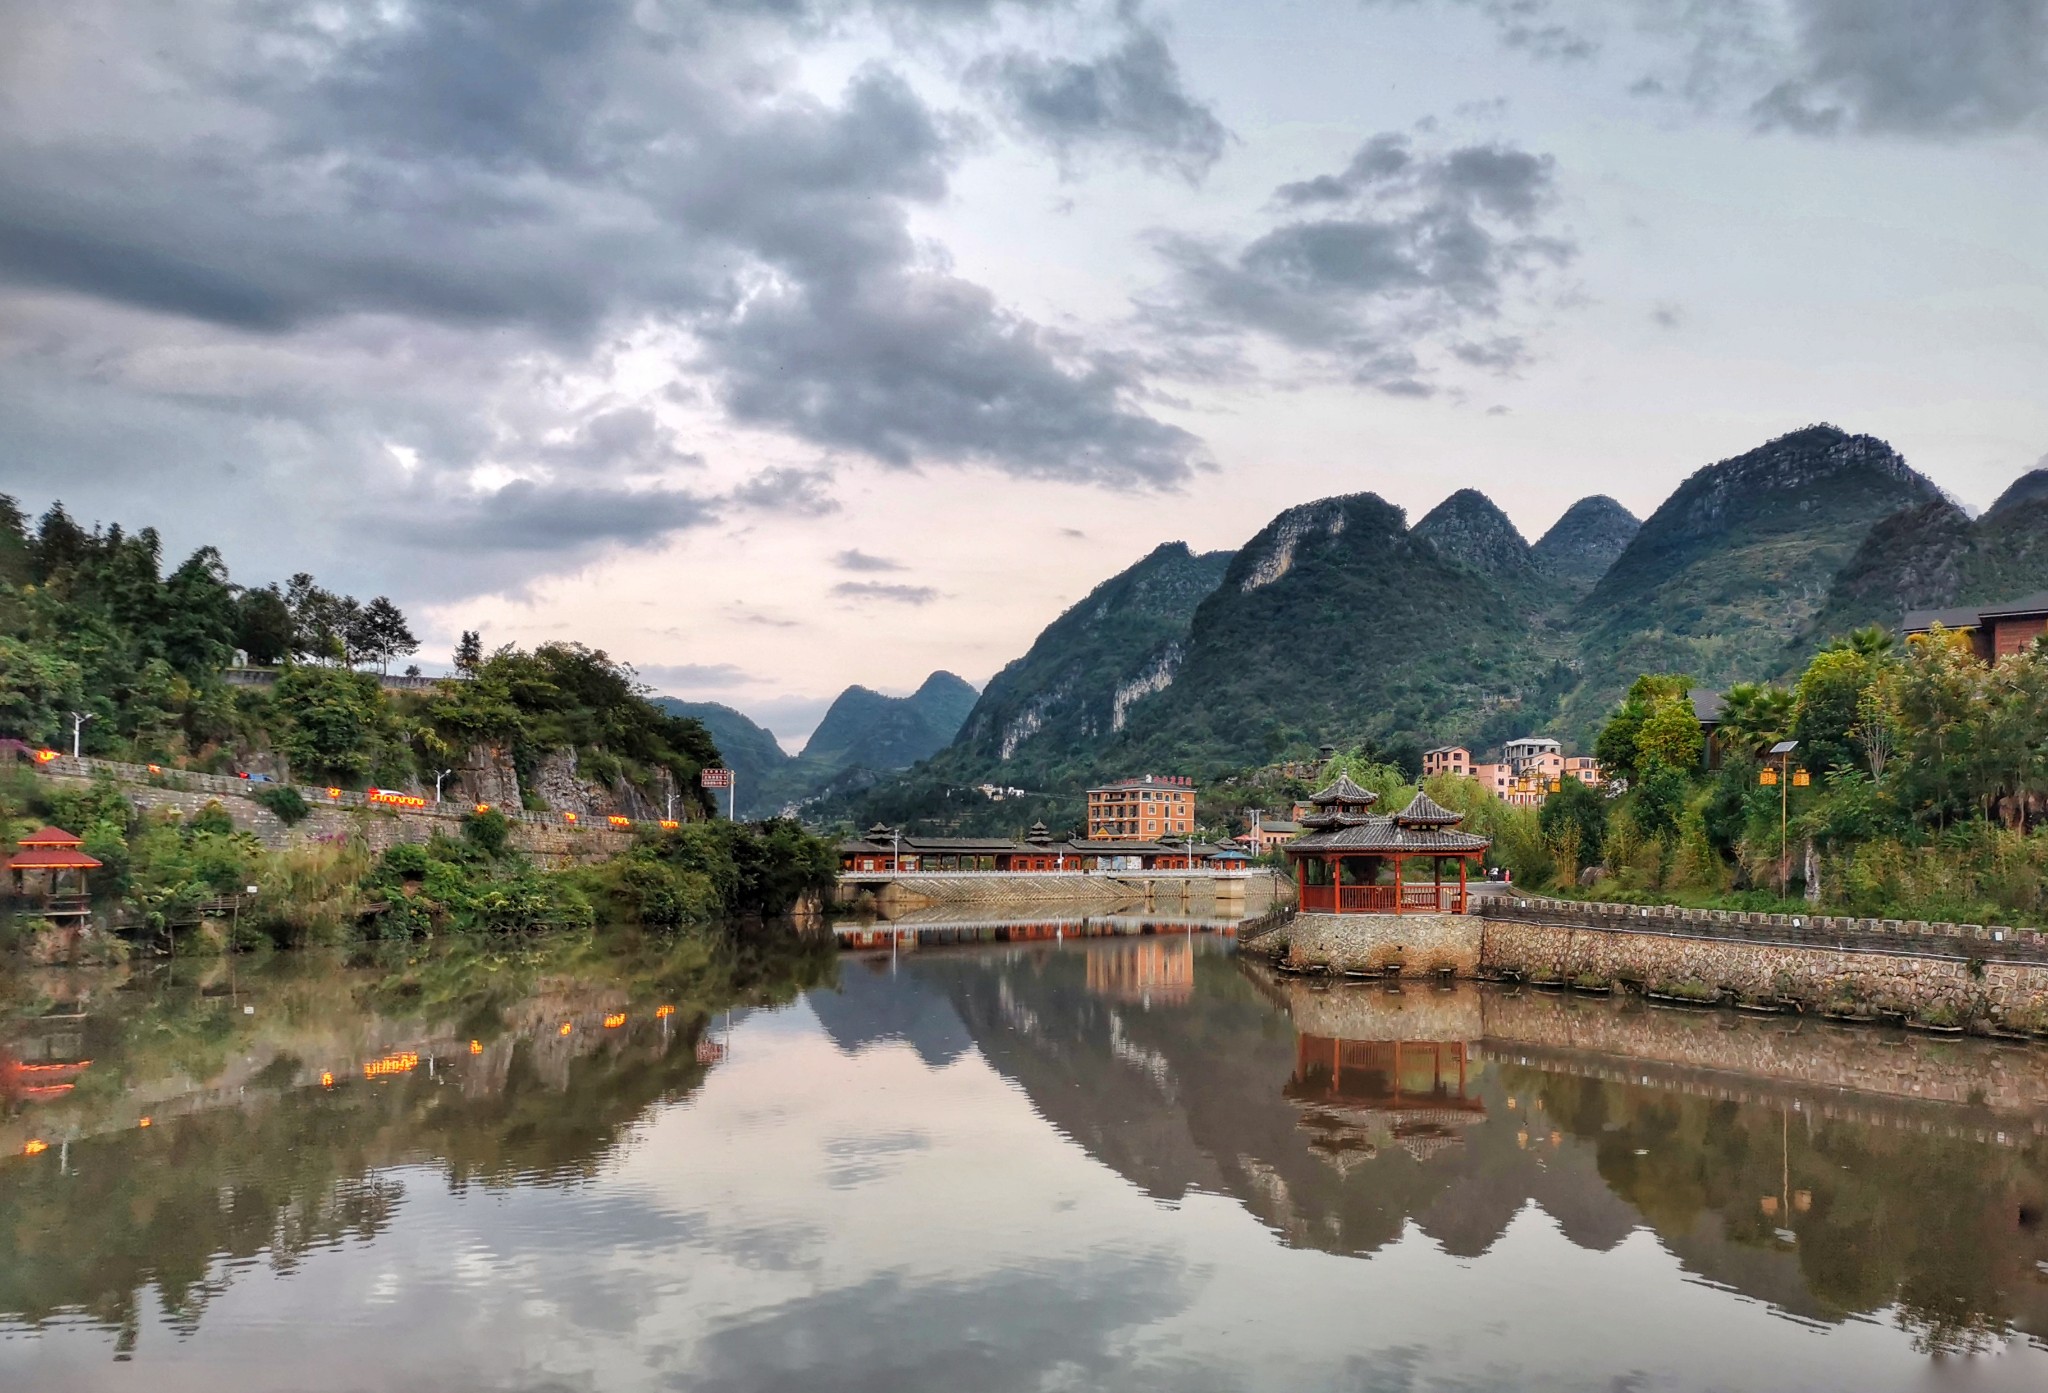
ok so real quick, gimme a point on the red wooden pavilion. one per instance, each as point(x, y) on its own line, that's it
point(49, 858)
point(1338, 862)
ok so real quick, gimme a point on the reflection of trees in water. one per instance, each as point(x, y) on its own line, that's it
point(1218, 1092)
point(1946, 1229)
point(287, 1168)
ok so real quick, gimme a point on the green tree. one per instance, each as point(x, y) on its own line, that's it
point(1617, 747)
point(1580, 813)
point(264, 626)
point(1754, 716)
point(1827, 707)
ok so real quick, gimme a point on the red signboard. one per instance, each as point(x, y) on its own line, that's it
point(716, 778)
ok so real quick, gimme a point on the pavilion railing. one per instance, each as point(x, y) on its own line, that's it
point(1382, 899)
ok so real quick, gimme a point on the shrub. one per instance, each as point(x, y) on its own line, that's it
point(285, 801)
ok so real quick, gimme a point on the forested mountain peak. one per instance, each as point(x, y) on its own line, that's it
point(864, 727)
point(1468, 527)
point(2030, 487)
point(1581, 545)
point(1738, 561)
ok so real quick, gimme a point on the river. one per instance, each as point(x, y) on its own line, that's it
point(1124, 1162)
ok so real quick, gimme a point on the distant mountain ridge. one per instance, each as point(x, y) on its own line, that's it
point(865, 728)
point(1339, 623)
point(863, 734)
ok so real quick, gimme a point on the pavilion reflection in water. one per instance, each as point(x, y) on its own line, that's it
point(1359, 1097)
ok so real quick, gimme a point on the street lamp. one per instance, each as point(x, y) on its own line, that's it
point(1782, 752)
point(78, 720)
point(437, 783)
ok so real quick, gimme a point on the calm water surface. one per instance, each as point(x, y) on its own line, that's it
point(1132, 1162)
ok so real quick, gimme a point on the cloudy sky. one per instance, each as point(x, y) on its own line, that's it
point(775, 345)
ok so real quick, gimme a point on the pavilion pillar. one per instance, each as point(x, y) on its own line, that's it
point(1300, 881)
point(1461, 883)
point(1398, 858)
point(1436, 883)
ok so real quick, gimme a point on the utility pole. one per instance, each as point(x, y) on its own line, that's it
point(78, 720)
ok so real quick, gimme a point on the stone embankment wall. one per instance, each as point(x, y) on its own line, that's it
point(1411, 943)
point(1937, 974)
point(552, 844)
point(1933, 973)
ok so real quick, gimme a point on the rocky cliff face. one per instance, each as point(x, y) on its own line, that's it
point(486, 775)
point(1092, 669)
point(1581, 545)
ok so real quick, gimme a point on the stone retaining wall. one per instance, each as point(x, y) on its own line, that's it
point(551, 845)
point(1935, 973)
point(1414, 943)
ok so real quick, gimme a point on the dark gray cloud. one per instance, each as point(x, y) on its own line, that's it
point(529, 517)
point(854, 559)
point(1129, 101)
point(1913, 67)
point(1939, 68)
point(1407, 252)
point(881, 590)
point(789, 489)
point(277, 247)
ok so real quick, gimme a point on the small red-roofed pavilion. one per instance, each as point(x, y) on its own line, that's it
point(52, 863)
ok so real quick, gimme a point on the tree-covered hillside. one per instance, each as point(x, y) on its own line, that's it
point(1736, 563)
point(91, 626)
point(1087, 673)
point(1932, 556)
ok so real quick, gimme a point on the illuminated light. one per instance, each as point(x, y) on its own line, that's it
point(146, 1122)
point(394, 800)
point(483, 807)
point(1769, 778)
point(569, 818)
point(620, 821)
point(669, 824)
point(615, 1020)
point(662, 1013)
point(334, 793)
point(45, 756)
point(476, 1047)
point(1556, 785)
point(326, 1080)
point(1800, 778)
point(35, 1148)
point(397, 1062)
point(566, 1028)
point(156, 769)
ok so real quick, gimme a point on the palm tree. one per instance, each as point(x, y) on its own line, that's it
point(1870, 641)
point(1753, 715)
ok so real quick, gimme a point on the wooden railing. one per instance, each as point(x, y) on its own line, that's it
point(1382, 899)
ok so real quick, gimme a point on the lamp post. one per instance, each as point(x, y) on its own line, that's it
point(1783, 752)
point(437, 783)
point(78, 720)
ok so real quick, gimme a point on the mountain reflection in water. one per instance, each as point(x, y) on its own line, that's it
point(1128, 1162)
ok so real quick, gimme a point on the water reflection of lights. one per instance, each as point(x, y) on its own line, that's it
point(401, 1062)
point(615, 1020)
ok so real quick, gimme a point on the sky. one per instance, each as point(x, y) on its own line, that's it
point(778, 345)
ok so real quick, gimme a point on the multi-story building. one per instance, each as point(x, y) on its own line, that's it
point(1447, 759)
point(1142, 810)
point(1533, 752)
point(1994, 631)
point(1267, 832)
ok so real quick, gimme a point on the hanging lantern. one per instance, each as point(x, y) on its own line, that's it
point(1769, 778)
point(1557, 785)
point(1800, 778)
